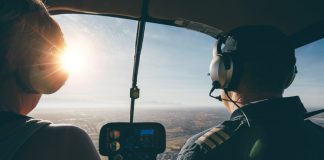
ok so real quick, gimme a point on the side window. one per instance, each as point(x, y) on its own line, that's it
point(309, 80)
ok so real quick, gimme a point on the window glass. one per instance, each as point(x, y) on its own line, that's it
point(175, 85)
point(172, 78)
point(98, 91)
point(308, 83)
point(106, 47)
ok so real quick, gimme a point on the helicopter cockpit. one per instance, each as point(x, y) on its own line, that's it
point(300, 20)
point(142, 22)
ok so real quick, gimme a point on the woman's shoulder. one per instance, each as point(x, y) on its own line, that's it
point(63, 130)
point(59, 141)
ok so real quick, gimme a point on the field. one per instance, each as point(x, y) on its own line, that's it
point(180, 124)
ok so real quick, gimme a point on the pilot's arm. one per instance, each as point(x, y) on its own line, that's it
point(210, 144)
point(193, 149)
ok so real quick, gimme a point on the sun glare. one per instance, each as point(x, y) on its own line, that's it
point(72, 60)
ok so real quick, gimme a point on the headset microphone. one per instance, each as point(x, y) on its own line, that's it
point(216, 97)
point(216, 85)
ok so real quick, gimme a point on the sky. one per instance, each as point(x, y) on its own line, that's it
point(173, 69)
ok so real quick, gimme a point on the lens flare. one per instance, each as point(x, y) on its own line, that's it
point(72, 60)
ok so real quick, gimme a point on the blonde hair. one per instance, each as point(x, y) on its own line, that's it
point(25, 28)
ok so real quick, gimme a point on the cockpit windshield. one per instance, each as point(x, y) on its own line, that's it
point(173, 78)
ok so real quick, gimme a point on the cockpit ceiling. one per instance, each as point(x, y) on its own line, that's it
point(291, 16)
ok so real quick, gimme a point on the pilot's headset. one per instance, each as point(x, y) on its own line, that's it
point(42, 74)
point(226, 68)
point(223, 70)
point(39, 72)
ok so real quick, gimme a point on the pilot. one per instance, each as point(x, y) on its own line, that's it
point(31, 43)
point(252, 66)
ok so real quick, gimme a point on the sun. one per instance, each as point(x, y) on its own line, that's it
point(72, 60)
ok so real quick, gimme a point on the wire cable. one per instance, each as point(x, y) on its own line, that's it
point(238, 107)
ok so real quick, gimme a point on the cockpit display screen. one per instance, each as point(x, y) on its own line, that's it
point(147, 132)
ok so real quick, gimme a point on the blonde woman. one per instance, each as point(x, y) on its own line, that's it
point(30, 37)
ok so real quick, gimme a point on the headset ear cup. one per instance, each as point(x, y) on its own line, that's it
point(46, 81)
point(219, 72)
point(291, 77)
point(44, 76)
point(221, 67)
point(22, 80)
